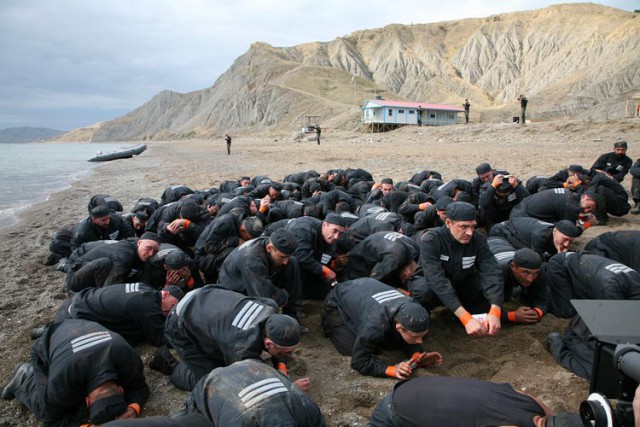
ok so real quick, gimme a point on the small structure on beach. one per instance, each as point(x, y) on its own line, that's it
point(381, 115)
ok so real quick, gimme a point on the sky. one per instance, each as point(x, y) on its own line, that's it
point(66, 64)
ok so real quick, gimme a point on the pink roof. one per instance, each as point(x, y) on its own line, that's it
point(407, 104)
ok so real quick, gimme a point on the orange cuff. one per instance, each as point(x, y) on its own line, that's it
point(512, 316)
point(565, 184)
point(264, 208)
point(390, 371)
point(135, 407)
point(186, 224)
point(465, 318)
point(539, 311)
point(404, 291)
point(190, 283)
point(282, 368)
point(422, 206)
point(495, 311)
point(374, 186)
point(325, 271)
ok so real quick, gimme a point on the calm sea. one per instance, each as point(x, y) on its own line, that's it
point(30, 172)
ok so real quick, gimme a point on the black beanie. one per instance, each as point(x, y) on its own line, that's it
point(568, 228)
point(283, 330)
point(284, 241)
point(413, 317)
point(461, 211)
point(527, 258)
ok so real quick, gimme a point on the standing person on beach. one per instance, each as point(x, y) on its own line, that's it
point(523, 107)
point(318, 132)
point(466, 106)
point(227, 138)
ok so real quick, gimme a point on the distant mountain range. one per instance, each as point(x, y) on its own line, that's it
point(575, 60)
point(28, 134)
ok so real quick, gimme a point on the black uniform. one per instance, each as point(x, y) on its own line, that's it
point(174, 193)
point(454, 402)
point(615, 166)
point(622, 246)
point(381, 256)
point(529, 233)
point(154, 272)
point(373, 223)
point(187, 237)
point(186, 420)
point(549, 205)
point(615, 197)
point(252, 394)
point(535, 295)
point(102, 263)
point(71, 359)
point(581, 275)
point(449, 189)
point(288, 208)
point(105, 200)
point(312, 253)
point(635, 182)
point(410, 208)
point(478, 186)
point(250, 270)
point(215, 243)
point(87, 231)
point(129, 309)
point(427, 218)
point(461, 275)
point(212, 327)
point(370, 208)
point(358, 317)
point(494, 208)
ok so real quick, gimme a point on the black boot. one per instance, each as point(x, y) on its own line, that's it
point(163, 361)
point(39, 331)
point(636, 209)
point(19, 376)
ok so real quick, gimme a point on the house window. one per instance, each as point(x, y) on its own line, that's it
point(411, 112)
point(451, 116)
point(391, 112)
point(433, 116)
point(400, 111)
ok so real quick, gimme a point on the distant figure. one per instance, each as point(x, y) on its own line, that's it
point(466, 106)
point(419, 115)
point(227, 138)
point(523, 107)
point(318, 132)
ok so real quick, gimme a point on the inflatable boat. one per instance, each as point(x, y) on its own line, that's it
point(121, 154)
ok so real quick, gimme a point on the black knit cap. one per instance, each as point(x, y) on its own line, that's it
point(283, 330)
point(253, 226)
point(527, 258)
point(150, 235)
point(107, 408)
point(189, 211)
point(483, 168)
point(142, 216)
point(568, 228)
point(576, 168)
point(595, 196)
point(174, 291)
point(99, 211)
point(276, 186)
point(461, 211)
point(284, 241)
point(443, 202)
point(620, 144)
point(177, 259)
point(413, 317)
point(336, 219)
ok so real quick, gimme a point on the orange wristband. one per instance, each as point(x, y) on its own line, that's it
point(135, 407)
point(282, 368)
point(512, 316)
point(390, 371)
point(186, 224)
point(565, 184)
point(539, 311)
point(190, 283)
point(264, 208)
point(326, 271)
point(465, 318)
point(422, 206)
point(495, 311)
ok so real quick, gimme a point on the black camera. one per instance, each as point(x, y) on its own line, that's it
point(616, 366)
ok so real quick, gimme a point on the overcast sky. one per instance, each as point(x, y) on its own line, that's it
point(66, 64)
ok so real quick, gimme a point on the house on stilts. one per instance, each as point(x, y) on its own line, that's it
point(380, 115)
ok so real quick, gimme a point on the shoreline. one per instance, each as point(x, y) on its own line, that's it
point(518, 355)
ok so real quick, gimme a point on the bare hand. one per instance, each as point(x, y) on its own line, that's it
point(473, 327)
point(526, 315)
point(429, 359)
point(340, 261)
point(492, 324)
point(303, 384)
point(173, 277)
point(403, 370)
point(513, 181)
point(176, 226)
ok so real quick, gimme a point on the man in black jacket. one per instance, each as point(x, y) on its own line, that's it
point(461, 270)
point(622, 246)
point(101, 224)
point(363, 316)
point(615, 164)
point(134, 310)
point(251, 394)
point(213, 327)
point(97, 264)
point(78, 361)
point(556, 204)
point(266, 267)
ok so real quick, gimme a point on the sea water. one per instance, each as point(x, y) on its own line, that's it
point(30, 172)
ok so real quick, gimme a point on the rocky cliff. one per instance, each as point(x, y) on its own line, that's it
point(578, 60)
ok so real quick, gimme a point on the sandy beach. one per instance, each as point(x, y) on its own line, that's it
point(32, 293)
